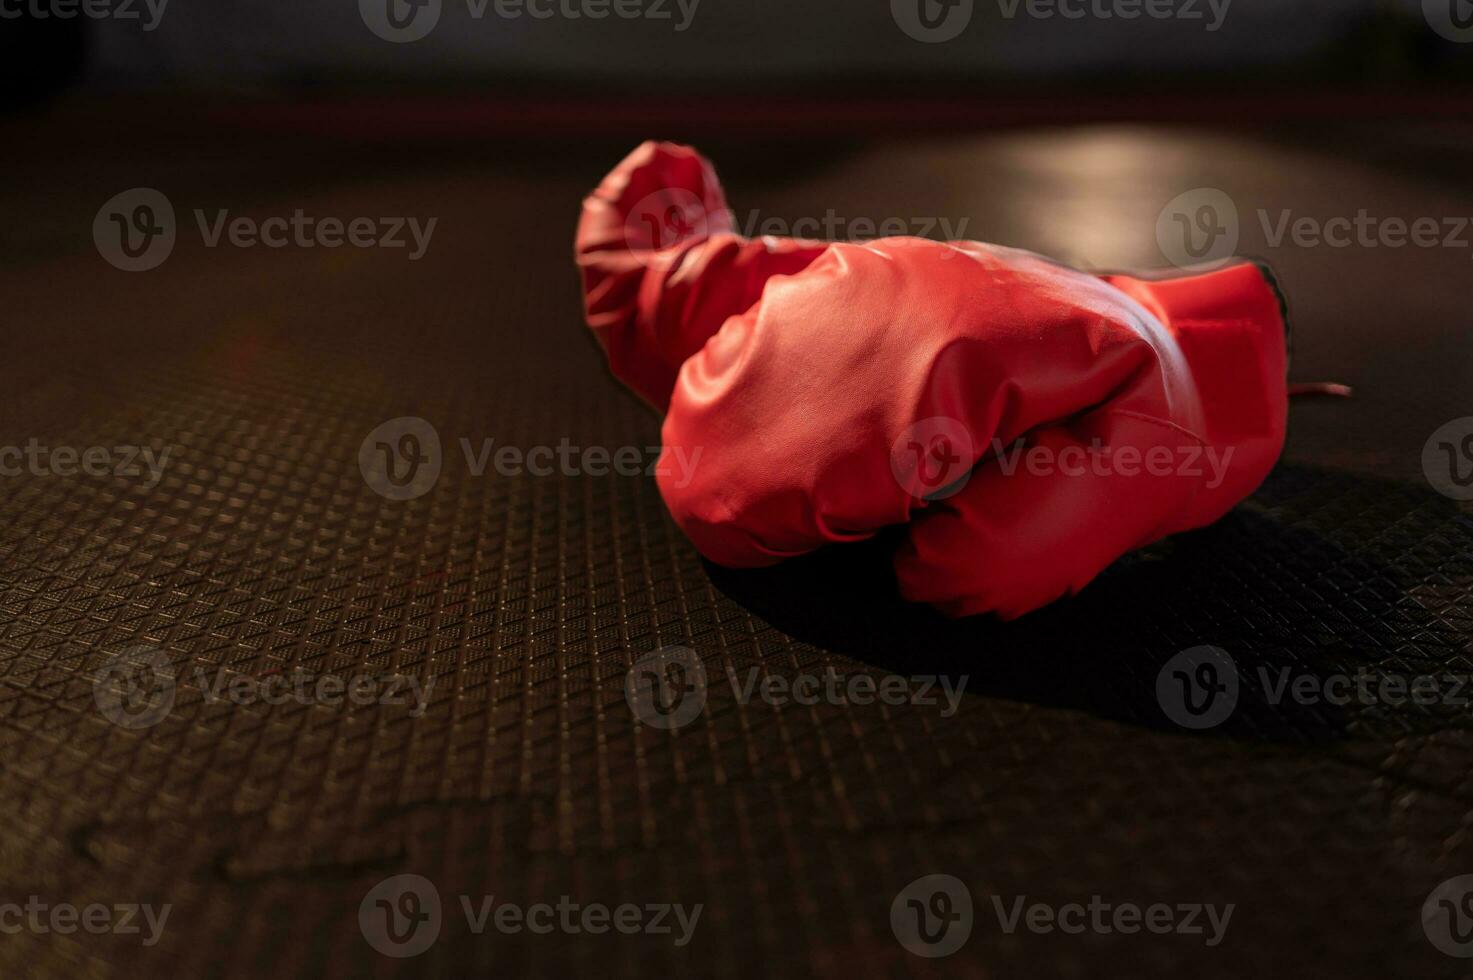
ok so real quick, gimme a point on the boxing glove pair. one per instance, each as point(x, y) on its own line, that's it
point(1027, 422)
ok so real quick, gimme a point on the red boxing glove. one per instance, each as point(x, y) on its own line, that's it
point(1030, 423)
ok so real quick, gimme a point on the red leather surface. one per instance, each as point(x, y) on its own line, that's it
point(1030, 422)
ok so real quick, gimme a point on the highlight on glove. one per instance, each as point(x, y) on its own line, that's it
point(1028, 422)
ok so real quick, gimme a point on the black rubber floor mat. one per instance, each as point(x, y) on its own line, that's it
point(1071, 758)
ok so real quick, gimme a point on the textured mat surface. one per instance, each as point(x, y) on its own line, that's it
point(521, 602)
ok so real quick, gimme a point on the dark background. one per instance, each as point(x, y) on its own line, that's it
point(528, 599)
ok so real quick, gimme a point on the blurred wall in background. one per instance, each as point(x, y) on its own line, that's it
point(693, 46)
point(676, 42)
